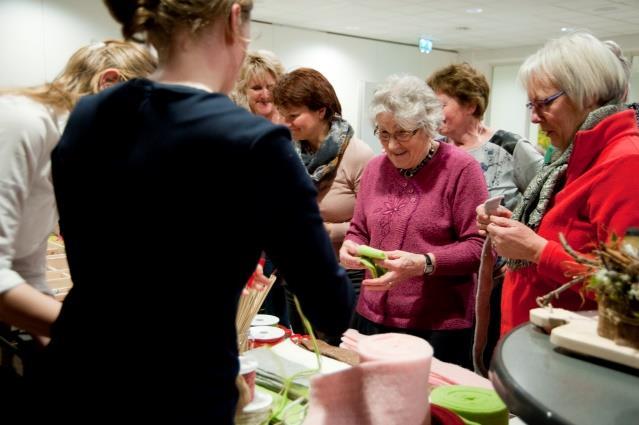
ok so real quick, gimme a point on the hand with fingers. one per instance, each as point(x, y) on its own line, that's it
point(349, 256)
point(258, 281)
point(401, 266)
point(483, 218)
point(515, 240)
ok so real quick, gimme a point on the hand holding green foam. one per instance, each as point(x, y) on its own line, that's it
point(368, 255)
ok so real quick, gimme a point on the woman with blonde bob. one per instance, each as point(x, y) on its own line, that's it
point(156, 342)
point(254, 88)
point(416, 203)
point(31, 122)
point(576, 86)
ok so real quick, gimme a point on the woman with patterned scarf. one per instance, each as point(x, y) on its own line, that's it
point(576, 87)
point(333, 158)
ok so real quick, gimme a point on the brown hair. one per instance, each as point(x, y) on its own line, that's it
point(464, 83)
point(307, 87)
point(81, 74)
point(261, 62)
point(160, 18)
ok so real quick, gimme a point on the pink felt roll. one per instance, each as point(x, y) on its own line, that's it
point(442, 373)
point(389, 387)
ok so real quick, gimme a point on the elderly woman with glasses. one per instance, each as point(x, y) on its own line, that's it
point(576, 86)
point(416, 203)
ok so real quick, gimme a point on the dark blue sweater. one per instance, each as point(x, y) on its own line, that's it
point(167, 196)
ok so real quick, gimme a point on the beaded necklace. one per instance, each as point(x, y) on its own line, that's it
point(410, 172)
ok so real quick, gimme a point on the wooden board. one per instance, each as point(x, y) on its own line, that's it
point(579, 334)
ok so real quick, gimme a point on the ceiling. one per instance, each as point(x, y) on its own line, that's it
point(451, 23)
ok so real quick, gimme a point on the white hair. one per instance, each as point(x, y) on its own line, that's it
point(582, 66)
point(410, 100)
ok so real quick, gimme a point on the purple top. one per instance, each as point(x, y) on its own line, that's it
point(434, 211)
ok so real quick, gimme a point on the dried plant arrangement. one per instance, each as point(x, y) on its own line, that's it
point(611, 271)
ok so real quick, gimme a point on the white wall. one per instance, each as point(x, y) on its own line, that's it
point(38, 36)
point(507, 100)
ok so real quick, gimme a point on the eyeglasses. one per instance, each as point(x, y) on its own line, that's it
point(540, 105)
point(401, 136)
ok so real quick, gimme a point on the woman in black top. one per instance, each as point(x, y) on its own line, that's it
point(161, 186)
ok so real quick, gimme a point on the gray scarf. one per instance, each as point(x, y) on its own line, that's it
point(549, 180)
point(322, 164)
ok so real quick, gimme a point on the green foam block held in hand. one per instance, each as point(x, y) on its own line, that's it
point(374, 253)
point(376, 271)
point(368, 255)
point(474, 405)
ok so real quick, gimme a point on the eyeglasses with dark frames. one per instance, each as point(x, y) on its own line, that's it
point(401, 135)
point(544, 103)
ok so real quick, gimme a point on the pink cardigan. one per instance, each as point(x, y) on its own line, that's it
point(432, 212)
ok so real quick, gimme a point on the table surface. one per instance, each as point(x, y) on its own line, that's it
point(544, 384)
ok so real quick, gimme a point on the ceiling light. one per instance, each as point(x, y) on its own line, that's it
point(567, 29)
point(425, 45)
point(474, 10)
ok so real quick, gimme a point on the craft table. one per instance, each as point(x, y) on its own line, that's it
point(544, 384)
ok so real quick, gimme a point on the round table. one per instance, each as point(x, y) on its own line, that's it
point(545, 384)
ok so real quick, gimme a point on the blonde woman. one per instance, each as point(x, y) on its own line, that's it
point(178, 173)
point(31, 122)
point(254, 88)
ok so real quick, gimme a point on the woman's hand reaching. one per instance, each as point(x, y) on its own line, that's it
point(483, 219)
point(348, 256)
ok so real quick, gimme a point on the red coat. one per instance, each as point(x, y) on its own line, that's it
point(601, 196)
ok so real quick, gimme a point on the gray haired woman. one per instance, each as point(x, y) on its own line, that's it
point(416, 203)
point(576, 86)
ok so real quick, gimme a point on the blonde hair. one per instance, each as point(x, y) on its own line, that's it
point(81, 74)
point(159, 19)
point(256, 64)
point(582, 66)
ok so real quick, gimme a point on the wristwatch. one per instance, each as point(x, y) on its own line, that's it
point(429, 268)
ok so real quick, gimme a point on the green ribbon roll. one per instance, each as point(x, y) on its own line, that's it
point(476, 406)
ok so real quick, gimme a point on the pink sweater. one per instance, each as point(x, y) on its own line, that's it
point(432, 212)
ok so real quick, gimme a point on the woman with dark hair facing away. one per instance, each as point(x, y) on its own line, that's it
point(146, 157)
